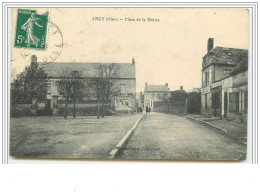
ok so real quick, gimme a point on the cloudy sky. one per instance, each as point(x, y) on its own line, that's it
point(166, 51)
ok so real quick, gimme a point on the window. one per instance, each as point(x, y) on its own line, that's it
point(206, 100)
point(206, 78)
point(210, 74)
point(57, 85)
point(122, 89)
point(242, 102)
point(234, 102)
point(216, 100)
point(49, 88)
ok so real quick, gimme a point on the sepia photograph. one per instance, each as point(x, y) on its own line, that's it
point(129, 83)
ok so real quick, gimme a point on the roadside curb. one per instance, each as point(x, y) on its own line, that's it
point(219, 129)
point(123, 141)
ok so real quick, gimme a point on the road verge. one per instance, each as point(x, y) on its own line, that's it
point(124, 140)
point(219, 129)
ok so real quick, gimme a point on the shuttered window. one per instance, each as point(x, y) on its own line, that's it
point(206, 101)
point(234, 102)
point(241, 101)
point(246, 101)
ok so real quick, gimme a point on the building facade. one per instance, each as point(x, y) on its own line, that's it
point(155, 93)
point(221, 78)
point(125, 96)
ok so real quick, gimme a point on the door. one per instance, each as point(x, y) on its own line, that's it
point(48, 105)
point(225, 104)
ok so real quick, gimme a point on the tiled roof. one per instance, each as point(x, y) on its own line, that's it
point(243, 65)
point(157, 88)
point(223, 55)
point(126, 70)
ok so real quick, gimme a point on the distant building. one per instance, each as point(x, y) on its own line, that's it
point(140, 99)
point(126, 82)
point(222, 77)
point(155, 93)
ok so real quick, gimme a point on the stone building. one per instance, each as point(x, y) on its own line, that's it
point(219, 71)
point(237, 107)
point(155, 93)
point(125, 98)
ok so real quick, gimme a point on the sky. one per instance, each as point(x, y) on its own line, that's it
point(166, 51)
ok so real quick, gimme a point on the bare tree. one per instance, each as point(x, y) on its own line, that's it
point(70, 86)
point(106, 76)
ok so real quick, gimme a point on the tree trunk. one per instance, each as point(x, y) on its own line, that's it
point(102, 102)
point(74, 107)
point(97, 101)
point(66, 108)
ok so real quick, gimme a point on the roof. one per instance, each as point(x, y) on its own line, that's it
point(197, 90)
point(156, 88)
point(126, 70)
point(223, 55)
point(243, 65)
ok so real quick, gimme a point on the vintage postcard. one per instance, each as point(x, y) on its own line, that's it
point(129, 83)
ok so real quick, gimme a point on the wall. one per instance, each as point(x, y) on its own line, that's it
point(210, 72)
point(206, 112)
point(219, 71)
point(240, 78)
point(130, 86)
point(156, 96)
point(123, 103)
point(170, 107)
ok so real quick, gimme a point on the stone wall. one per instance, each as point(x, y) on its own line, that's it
point(170, 107)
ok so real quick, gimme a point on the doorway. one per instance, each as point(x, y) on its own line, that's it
point(225, 104)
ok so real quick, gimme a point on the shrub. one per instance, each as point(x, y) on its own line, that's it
point(21, 112)
point(87, 111)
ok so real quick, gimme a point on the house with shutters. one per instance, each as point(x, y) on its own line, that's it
point(238, 97)
point(155, 93)
point(123, 100)
point(224, 82)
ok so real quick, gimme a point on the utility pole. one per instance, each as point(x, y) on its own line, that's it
point(98, 99)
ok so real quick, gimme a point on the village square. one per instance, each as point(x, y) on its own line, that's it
point(93, 111)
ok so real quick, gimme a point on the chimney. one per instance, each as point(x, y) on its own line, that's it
point(210, 44)
point(34, 59)
point(181, 88)
point(133, 61)
point(166, 84)
point(34, 63)
point(146, 84)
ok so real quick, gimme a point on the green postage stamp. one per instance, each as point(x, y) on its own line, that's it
point(31, 29)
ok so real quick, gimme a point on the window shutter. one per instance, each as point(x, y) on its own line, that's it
point(246, 101)
point(232, 102)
